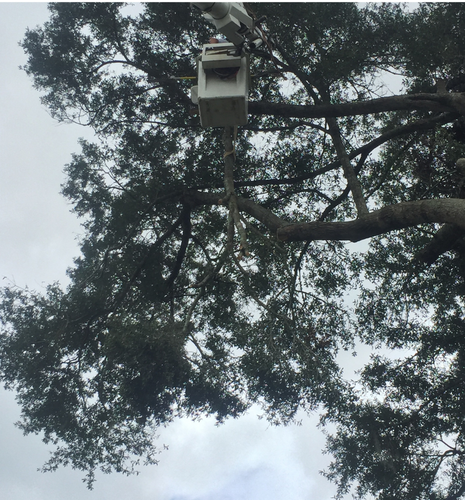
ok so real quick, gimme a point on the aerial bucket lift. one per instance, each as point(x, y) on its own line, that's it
point(223, 86)
point(223, 68)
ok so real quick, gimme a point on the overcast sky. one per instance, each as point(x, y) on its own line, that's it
point(243, 459)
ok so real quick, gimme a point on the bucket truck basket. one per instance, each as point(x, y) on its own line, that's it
point(223, 86)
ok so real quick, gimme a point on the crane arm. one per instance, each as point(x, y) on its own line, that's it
point(232, 20)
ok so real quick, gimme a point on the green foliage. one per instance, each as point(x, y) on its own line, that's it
point(163, 317)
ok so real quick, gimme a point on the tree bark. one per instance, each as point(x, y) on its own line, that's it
point(449, 234)
point(402, 215)
point(259, 213)
point(452, 102)
point(442, 241)
point(384, 220)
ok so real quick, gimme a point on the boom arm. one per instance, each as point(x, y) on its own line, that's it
point(232, 20)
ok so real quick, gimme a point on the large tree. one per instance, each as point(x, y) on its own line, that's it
point(210, 281)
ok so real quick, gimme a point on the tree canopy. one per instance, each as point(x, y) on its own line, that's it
point(209, 282)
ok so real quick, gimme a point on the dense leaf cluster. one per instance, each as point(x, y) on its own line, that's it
point(166, 316)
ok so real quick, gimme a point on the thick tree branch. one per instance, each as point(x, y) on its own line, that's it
point(259, 213)
point(402, 215)
point(442, 241)
point(266, 217)
point(453, 102)
point(450, 234)
point(410, 128)
point(458, 494)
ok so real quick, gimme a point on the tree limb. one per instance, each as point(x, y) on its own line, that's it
point(450, 234)
point(390, 218)
point(349, 173)
point(453, 102)
point(442, 241)
point(457, 494)
point(402, 215)
point(422, 124)
point(409, 128)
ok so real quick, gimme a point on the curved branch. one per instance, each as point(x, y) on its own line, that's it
point(413, 102)
point(259, 213)
point(400, 216)
point(125, 62)
point(422, 124)
point(457, 494)
point(390, 218)
point(409, 128)
point(292, 126)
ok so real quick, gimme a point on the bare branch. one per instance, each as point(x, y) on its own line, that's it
point(442, 241)
point(450, 234)
point(402, 215)
point(413, 102)
point(349, 173)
